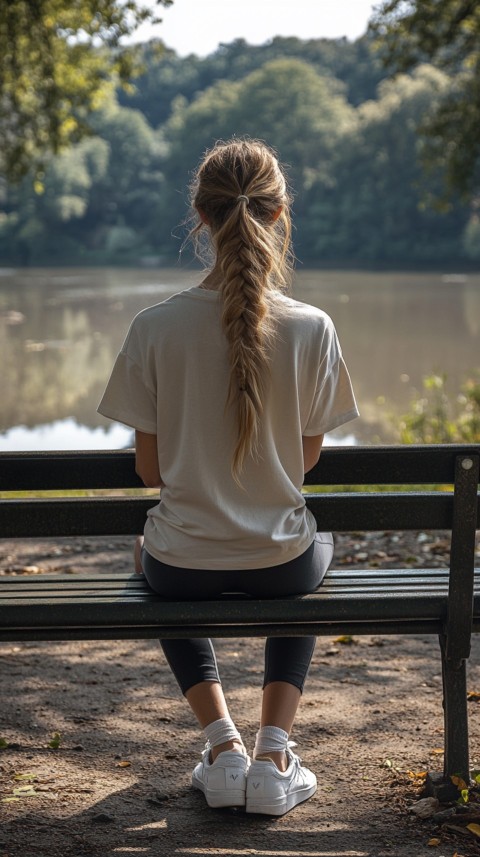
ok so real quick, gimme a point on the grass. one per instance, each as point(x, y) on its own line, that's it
point(78, 492)
point(374, 489)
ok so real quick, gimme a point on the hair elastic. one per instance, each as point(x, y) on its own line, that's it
point(243, 197)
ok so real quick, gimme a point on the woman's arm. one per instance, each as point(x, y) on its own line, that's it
point(312, 447)
point(146, 459)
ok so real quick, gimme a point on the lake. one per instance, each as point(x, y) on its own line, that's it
point(62, 328)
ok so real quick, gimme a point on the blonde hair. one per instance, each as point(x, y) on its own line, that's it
point(241, 192)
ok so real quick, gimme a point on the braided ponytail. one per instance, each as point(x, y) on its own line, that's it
point(241, 194)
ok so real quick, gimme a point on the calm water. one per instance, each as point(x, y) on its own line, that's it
point(61, 330)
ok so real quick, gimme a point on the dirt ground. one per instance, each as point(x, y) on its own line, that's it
point(118, 783)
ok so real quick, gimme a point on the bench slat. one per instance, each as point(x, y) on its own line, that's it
point(126, 515)
point(103, 612)
point(415, 464)
point(286, 629)
point(51, 596)
point(37, 591)
point(97, 575)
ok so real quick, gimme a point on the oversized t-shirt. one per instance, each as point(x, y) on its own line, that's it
point(171, 379)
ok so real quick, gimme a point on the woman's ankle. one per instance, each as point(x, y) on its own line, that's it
point(278, 757)
point(235, 745)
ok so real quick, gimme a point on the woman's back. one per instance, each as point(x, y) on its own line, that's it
point(175, 365)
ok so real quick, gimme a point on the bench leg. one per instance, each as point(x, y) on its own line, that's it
point(456, 759)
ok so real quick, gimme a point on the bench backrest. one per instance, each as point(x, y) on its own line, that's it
point(422, 466)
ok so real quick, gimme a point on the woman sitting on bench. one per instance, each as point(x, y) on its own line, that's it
point(230, 387)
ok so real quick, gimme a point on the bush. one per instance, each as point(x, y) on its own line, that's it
point(435, 418)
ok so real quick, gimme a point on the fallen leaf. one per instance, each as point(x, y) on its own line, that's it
point(25, 777)
point(24, 791)
point(474, 828)
point(3, 744)
point(10, 799)
point(437, 750)
point(459, 783)
point(123, 764)
point(417, 775)
point(55, 742)
point(474, 695)
point(434, 841)
point(345, 639)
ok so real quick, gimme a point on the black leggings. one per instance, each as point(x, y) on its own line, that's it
point(286, 658)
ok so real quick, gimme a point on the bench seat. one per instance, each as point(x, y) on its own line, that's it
point(114, 606)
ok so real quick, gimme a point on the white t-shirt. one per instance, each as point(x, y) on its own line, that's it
point(171, 378)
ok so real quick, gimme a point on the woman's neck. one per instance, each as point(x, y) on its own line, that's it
point(213, 280)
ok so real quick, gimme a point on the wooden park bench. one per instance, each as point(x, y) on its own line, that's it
point(104, 605)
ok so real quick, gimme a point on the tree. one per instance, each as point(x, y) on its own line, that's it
point(285, 102)
point(58, 60)
point(166, 75)
point(367, 208)
point(98, 199)
point(447, 33)
point(117, 197)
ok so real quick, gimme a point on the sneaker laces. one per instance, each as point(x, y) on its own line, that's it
point(289, 746)
point(292, 757)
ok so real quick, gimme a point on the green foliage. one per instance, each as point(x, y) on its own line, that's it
point(285, 102)
point(352, 65)
point(446, 33)
point(367, 206)
point(101, 195)
point(434, 418)
point(53, 72)
point(54, 744)
point(352, 153)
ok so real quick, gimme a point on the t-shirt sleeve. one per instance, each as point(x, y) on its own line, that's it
point(334, 401)
point(130, 396)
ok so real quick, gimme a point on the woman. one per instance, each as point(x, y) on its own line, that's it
point(230, 387)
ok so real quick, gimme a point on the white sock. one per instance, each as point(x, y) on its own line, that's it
point(221, 731)
point(270, 739)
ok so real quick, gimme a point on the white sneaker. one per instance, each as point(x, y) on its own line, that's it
point(274, 792)
point(223, 782)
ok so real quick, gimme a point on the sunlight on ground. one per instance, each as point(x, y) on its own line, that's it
point(240, 852)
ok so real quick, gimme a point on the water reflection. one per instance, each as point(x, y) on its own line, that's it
point(66, 434)
point(59, 335)
point(60, 331)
